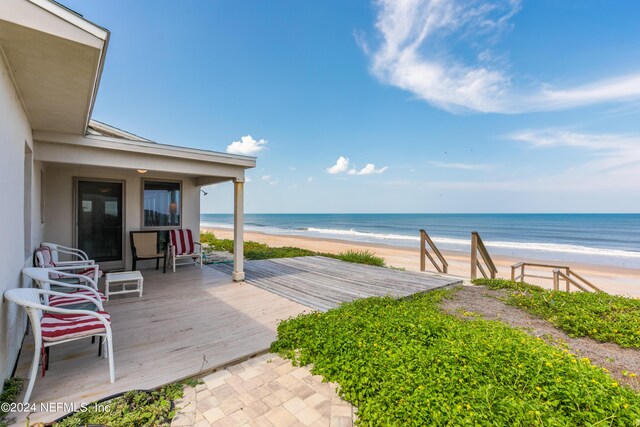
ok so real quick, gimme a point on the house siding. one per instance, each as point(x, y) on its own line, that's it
point(15, 251)
point(59, 202)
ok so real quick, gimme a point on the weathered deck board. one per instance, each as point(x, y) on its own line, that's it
point(181, 319)
point(323, 283)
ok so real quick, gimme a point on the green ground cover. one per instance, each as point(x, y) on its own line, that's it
point(601, 316)
point(405, 362)
point(132, 409)
point(10, 390)
point(255, 250)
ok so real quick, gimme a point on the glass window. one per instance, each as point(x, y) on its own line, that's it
point(162, 204)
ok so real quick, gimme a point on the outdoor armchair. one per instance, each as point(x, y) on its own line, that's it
point(182, 247)
point(56, 325)
point(43, 258)
point(43, 278)
point(77, 256)
point(146, 245)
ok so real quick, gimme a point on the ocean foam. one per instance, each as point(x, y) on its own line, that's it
point(522, 246)
point(530, 246)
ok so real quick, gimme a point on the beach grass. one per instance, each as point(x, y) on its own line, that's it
point(601, 316)
point(255, 251)
point(406, 362)
point(359, 257)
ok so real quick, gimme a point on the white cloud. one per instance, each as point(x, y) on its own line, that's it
point(310, 179)
point(461, 166)
point(247, 179)
point(266, 177)
point(413, 55)
point(246, 146)
point(369, 169)
point(342, 165)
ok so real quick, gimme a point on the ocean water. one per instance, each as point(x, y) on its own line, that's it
point(606, 239)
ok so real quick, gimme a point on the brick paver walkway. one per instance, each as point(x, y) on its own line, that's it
point(263, 391)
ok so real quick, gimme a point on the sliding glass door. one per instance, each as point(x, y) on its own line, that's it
point(99, 218)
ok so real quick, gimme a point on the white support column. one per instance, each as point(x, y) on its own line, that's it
point(238, 231)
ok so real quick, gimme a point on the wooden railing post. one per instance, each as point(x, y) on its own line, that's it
point(556, 280)
point(474, 255)
point(422, 251)
point(513, 273)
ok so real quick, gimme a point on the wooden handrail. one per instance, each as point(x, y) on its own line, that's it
point(557, 275)
point(560, 272)
point(424, 253)
point(477, 245)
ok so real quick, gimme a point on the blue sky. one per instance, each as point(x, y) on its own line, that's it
point(438, 106)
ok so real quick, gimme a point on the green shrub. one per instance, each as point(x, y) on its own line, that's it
point(132, 409)
point(255, 250)
point(405, 362)
point(10, 390)
point(604, 317)
point(359, 257)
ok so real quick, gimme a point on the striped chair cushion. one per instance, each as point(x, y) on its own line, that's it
point(89, 272)
point(43, 257)
point(60, 301)
point(182, 240)
point(58, 327)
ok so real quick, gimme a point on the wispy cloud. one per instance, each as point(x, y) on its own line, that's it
point(415, 54)
point(310, 179)
point(343, 166)
point(246, 146)
point(461, 166)
point(269, 180)
point(613, 160)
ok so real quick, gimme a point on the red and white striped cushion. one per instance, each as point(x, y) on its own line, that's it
point(90, 272)
point(60, 301)
point(183, 241)
point(58, 327)
point(44, 257)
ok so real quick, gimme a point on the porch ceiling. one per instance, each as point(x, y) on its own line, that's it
point(55, 59)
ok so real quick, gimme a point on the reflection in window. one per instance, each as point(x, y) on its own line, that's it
point(161, 204)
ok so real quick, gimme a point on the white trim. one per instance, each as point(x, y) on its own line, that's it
point(91, 141)
point(72, 18)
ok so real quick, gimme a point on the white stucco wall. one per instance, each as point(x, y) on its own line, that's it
point(59, 202)
point(15, 133)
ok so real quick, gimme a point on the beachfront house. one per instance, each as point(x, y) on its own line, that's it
point(68, 179)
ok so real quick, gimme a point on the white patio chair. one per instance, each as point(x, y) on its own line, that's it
point(47, 279)
point(77, 256)
point(182, 247)
point(55, 325)
point(43, 257)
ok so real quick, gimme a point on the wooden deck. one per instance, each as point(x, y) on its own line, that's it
point(193, 321)
point(186, 323)
point(323, 283)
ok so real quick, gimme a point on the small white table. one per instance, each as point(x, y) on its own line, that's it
point(129, 282)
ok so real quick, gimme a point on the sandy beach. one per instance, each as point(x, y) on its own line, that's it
point(615, 280)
